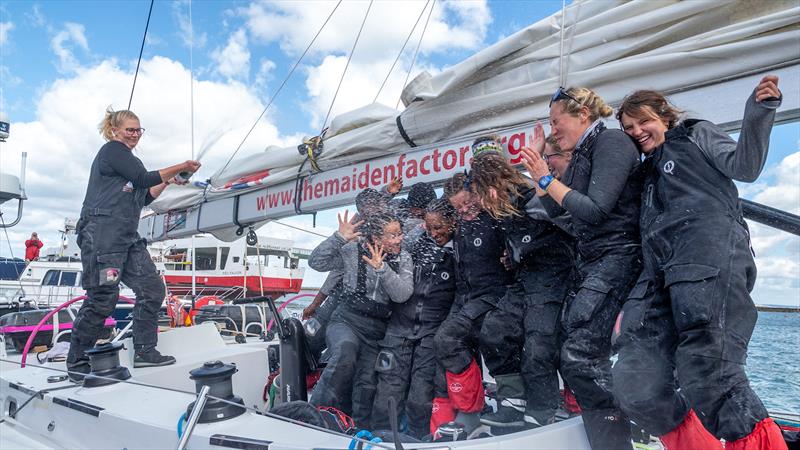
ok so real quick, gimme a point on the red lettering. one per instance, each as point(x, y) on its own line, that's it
point(363, 178)
point(422, 168)
point(449, 160)
point(346, 184)
point(515, 144)
point(308, 194)
point(411, 169)
point(318, 190)
point(287, 197)
point(436, 155)
point(386, 176)
point(375, 177)
point(462, 152)
point(331, 187)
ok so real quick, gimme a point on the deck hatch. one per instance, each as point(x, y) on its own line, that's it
point(244, 443)
point(78, 405)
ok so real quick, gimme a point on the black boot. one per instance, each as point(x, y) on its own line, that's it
point(510, 403)
point(607, 429)
point(150, 357)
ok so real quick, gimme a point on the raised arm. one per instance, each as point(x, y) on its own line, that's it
point(613, 160)
point(327, 256)
point(743, 160)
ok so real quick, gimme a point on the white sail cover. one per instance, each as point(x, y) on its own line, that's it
point(691, 50)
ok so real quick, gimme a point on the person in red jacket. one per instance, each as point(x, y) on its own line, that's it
point(32, 247)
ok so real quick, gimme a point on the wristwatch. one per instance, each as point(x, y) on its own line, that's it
point(545, 181)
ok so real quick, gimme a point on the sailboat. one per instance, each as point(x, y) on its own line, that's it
point(213, 397)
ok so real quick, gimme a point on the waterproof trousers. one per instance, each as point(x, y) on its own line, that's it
point(588, 321)
point(522, 336)
point(349, 378)
point(407, 369)
point(687, 325)
point(106, 261)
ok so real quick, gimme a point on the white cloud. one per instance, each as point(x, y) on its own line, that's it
point(5, 28)
point(264, 75)
point(186, 28)
point(453, 24)
point(233, 61)
point(73, 34)
point(63, 139)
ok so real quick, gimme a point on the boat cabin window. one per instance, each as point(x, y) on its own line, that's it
point(206, 258)
point(223, 257)
point(68, 279)
point(59, 278)
point(51, 278)
point(177, 259)
point(253, 255)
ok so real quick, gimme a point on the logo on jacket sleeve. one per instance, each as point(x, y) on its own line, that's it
point(669, 166)
point(526, 239)
point(445, 276)
point(477, 242)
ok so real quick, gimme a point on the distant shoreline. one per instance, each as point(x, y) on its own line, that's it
point(783, 309)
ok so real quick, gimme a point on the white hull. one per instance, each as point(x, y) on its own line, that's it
point(131, 416)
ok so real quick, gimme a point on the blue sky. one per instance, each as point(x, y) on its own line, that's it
point(62, 63)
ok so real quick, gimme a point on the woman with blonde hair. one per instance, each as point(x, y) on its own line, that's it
point(111, 248)
point(520, 339)
point(600, 191)
point(689, 319)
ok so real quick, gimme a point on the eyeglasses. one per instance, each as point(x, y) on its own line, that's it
point(134, 130)
point(551, 155)
point(561, 94)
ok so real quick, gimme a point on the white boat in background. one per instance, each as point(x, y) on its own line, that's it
point(230, 269)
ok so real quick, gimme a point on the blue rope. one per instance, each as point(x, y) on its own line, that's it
point(363, 434)
point(375, 440)
point(181, 419)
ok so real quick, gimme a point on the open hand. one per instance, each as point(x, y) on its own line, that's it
point(532, 154)
point(768, 88)
point(376, 256)
point(394, 186)
point(348, 227)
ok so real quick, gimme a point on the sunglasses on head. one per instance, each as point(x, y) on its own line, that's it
point(561, 94)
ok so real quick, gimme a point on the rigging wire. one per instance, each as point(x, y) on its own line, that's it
point(11, 251)
point(349, 58)
point(401, 51)
point(414, 59)
point(300, 228)
point(141, 50)
point(191, 77)
point(283, 83)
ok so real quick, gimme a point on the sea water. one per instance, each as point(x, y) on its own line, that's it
point(773, 362)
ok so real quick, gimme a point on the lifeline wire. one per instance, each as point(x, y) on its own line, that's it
point(191, 77)
point(297, 63)
point(414, 59)
point(300, 228)
point(141, 50)
point(194, 394)
point(11, 251)
point(350, 57)
point(401, 50)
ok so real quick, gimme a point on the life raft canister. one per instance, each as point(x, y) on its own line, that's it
point(199, 303)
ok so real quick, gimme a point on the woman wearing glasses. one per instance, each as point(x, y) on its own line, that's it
point(691, 309)
point(600, 191)
point(111, 248)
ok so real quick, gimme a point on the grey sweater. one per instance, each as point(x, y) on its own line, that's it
point(341, 258)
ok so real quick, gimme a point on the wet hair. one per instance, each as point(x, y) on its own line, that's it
point(370, 200)
point(492, 171)
point(636, 105)
point(373, 226)
point(420, 195)
point(443, 207)
point(113, 119)
point(588, 98)
point(456, 184)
